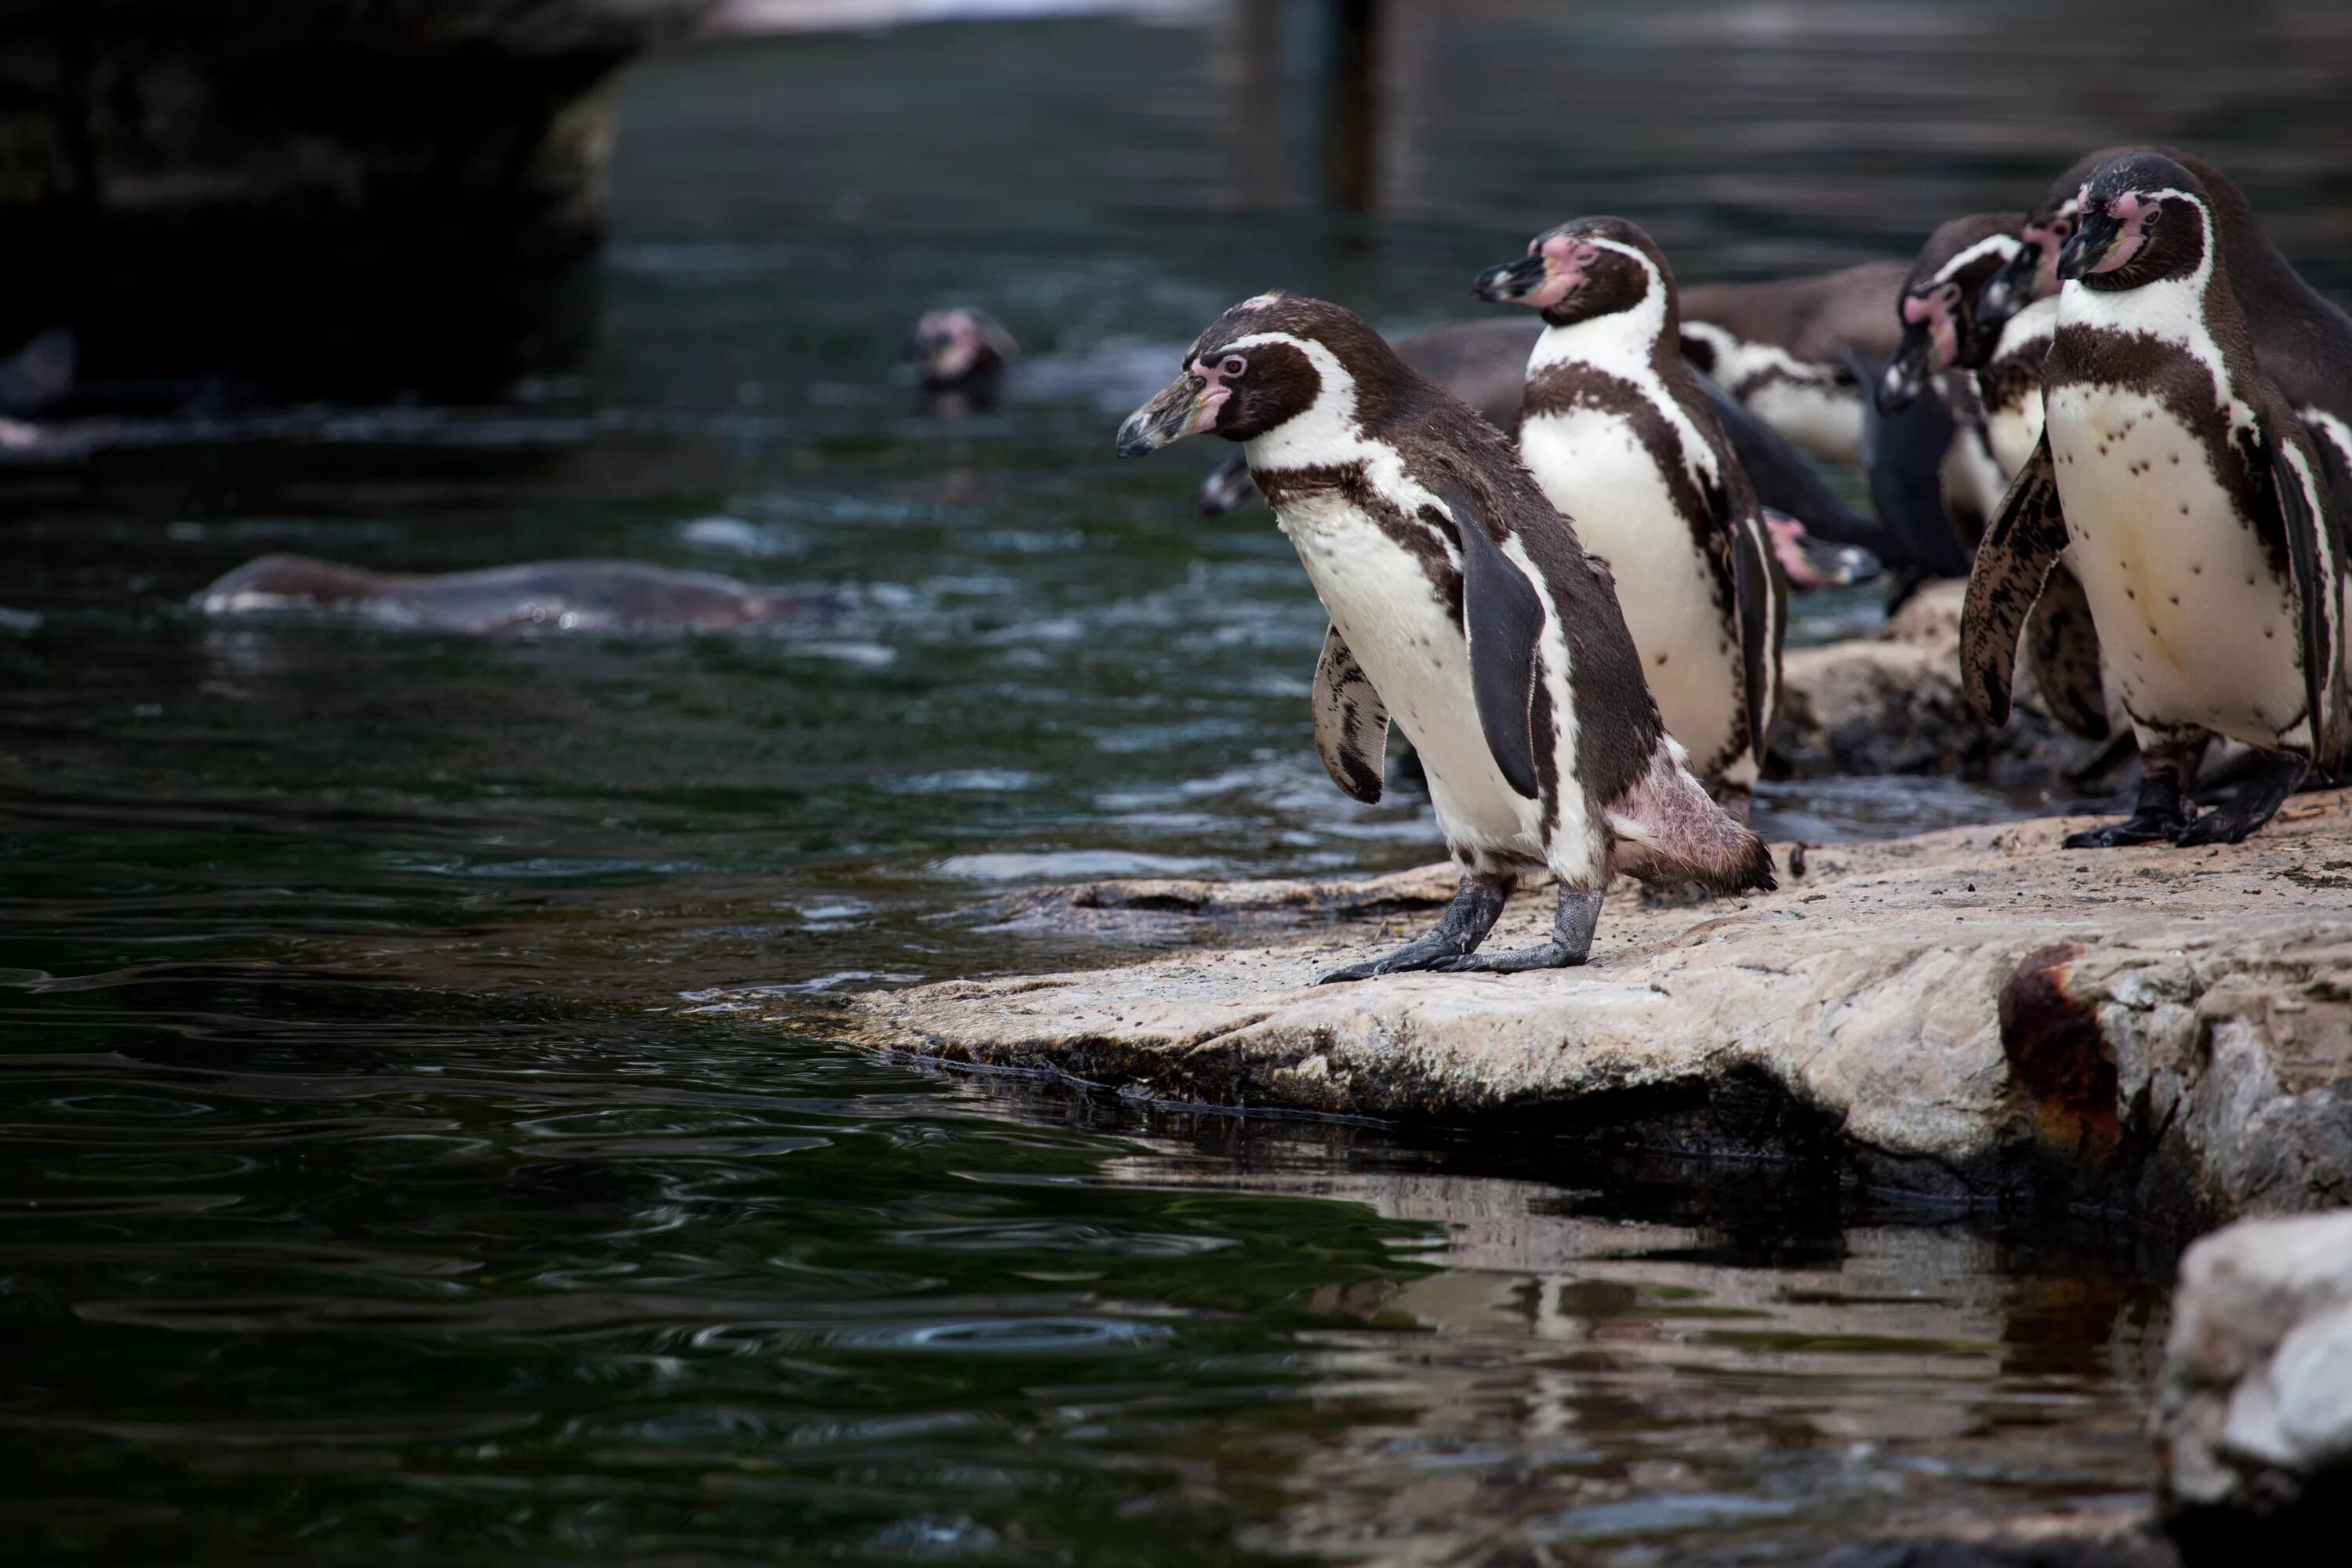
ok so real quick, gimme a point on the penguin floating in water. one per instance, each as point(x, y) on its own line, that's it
point(2174, 476)
point(1619, 434)
point(1944, 344)
point(538, 596)
point(2303, 339)
point(1463, 606)
point(959, 356)
point(1820, 541)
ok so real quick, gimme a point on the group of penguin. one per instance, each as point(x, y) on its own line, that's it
point(1544, 556)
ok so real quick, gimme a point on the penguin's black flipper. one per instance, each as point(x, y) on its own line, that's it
point(2294, 485)
point(2021, 545)
point(1503, 617)
point(1753, 593)
point(2062, 646)
point(1352, 723)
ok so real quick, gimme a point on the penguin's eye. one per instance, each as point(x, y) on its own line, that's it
point(1951, 292)
point(2147, 215)
point(2061, 227)
point(1233, 364)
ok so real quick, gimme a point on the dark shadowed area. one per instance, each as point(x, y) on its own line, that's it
point(384, 1174)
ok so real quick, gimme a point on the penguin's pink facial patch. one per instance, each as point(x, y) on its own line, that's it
point(1567, 262)
point(1215, 371)
point(1934, 311)
point(2048, 239)
point(1788, 537)
point(2132, 213)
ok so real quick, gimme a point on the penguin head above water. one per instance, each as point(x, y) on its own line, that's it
point(959, 349)
point(2143, 219)
point(1938, 305)
point(1261, 364)
point(1585, 268)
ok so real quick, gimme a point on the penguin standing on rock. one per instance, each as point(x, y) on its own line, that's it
point(2303, 339)
point(1462, 607)
point(1994, 379)
point(1618, 432)
point(2177, 479)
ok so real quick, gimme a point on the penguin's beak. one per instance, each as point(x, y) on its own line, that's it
point(1513, 280)
point(1906, 376)
point(2094, 234)
point(1182, 408)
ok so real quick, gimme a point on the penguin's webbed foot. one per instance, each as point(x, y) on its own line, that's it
point(2141, 826)
point(1464, 925)
point(2256, 802)
point(1571, 943)
point(2161, 813)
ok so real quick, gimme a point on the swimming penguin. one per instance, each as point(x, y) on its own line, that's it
point(540, 597)
point(2303, 339)
point(1821, 542)
point(2177, 481)
point(1621, 438)
point(1782, 349)
point(960, 350)
point(1462, 607)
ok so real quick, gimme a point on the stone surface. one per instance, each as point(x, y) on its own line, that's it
point(1892, 704)
point(1972, 1015)
point(2254, 1416)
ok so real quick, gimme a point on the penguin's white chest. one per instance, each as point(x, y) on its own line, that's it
point(2011, 428)
point(1594, 469)
point(1405, 636)
point(2195, 627)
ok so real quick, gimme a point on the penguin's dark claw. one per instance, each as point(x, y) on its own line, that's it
point(1460, 929)
point(1423, 953)
point(1512, 961)
point(2140, 828)
point(2256, 802)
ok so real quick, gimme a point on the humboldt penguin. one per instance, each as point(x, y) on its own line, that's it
point(1991, 381)
point(1463, 607)
point(960, 350)
point(1619, 434)
point(2303, 339)
point(1783, 350)
point(2174, 476)
point(540, 597)
point(1821, 542)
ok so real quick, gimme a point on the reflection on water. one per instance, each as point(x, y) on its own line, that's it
point(378, 1175)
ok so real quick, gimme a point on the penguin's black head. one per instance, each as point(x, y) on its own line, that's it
point(1588, 268)
point(1938, 305)
point(2144, 218)
point(959, 349)
point(1263, 363)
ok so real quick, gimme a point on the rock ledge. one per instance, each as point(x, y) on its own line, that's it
point(1972, 1015)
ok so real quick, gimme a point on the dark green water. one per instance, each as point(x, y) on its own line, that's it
point(381, 1175)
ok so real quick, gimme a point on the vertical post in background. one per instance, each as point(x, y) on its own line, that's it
point(1350, 73)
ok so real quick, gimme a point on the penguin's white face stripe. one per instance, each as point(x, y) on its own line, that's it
point(1620, 344)
point(2170, 310)
point(1327, 432)
point(2001, 245)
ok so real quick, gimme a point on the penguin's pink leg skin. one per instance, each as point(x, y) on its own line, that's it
point(1572, 925)
point(1460, 929)
point(2255, 803)
point(2167, 768)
